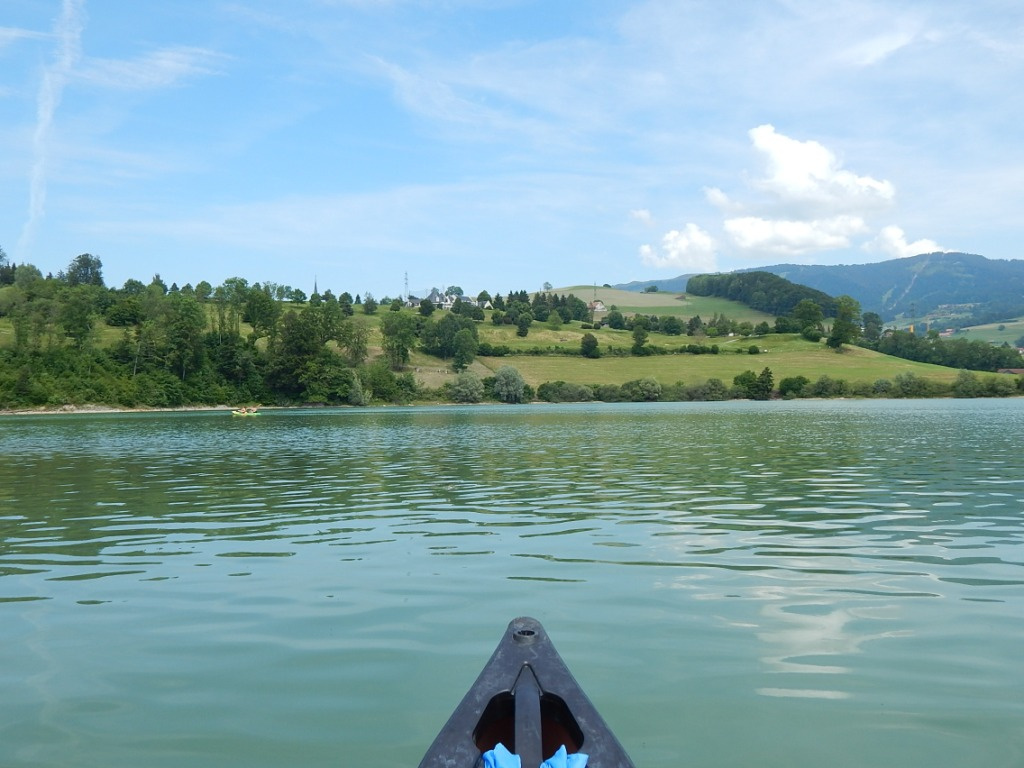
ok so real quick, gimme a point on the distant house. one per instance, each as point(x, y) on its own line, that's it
point(1014, 371)
point(596, 306)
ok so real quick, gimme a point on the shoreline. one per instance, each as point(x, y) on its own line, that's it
point(88, 408)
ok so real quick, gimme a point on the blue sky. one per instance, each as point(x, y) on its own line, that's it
point(502, 144)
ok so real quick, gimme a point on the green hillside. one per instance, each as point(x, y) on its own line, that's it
point(666, 303)
point(787, 355)
point(191, 352)
point(1007, 332)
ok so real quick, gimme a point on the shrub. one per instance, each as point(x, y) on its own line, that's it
point(563, 392)
point(793, 386)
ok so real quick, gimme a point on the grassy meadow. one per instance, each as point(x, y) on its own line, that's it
point(786, 355)
point(664, 303)
point(1007, 331)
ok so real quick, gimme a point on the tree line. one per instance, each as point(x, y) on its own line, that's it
point(240, 342)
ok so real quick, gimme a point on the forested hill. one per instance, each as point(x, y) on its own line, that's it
point(760, 290)
point(917, 285)
point(920, 284)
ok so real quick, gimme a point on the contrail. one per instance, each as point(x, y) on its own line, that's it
point(68, 33)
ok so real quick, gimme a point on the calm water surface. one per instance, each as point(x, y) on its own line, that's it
point(736, 584)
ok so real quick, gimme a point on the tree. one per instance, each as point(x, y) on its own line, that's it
point(398, 336)
point(523, 323)
point(509, 386)
point(846, 326)
point(6, 269)
point(808, 313)
point(640, 335)
point(754, 386)
point(967, 385)
point(157, 285)
point(78, 313)
point(184, 324)
point(354, 339)
point(765, 381)
point(454, 290)
point(84, 270)
point(589, 347)
point(262, 312)
point(370, 305)
point(465, 349)
point(344, 303)
point(872, 327)
point(467, 388)
point(615, 320)
point(427, 307)
point(645, 390)
point(326, 379)
point(792, 386)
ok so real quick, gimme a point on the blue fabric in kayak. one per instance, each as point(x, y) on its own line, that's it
point(562, 760)
point(500, 757)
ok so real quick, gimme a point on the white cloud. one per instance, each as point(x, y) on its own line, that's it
point(691, 250)
point(893, 242)
point(642, 215)
point(68, 33)
point(11, 34)
point(793, 238)
point(157, 69)
point(720, 200)
point(874, 50)
point(807, 176)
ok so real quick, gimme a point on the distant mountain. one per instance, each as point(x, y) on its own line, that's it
point(952, 283)
point(672, 285)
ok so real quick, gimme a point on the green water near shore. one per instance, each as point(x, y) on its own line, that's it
point(771, 584)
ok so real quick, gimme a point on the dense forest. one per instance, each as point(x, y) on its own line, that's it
point(73, 340)
point(760, 290)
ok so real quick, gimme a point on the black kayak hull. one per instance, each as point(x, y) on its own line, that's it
point(527, 699)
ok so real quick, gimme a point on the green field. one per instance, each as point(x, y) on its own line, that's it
point(1007, 331)
point(786, 355)
point(681, 305)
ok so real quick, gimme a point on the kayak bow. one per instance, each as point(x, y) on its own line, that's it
point(527, 699)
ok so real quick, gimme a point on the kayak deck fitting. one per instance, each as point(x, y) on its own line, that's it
point(527, 699)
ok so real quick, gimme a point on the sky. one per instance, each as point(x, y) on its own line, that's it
point(380, 146)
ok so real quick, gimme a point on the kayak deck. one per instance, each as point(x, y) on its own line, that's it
point(527, 699)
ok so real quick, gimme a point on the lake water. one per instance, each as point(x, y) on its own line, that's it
point(791, 584)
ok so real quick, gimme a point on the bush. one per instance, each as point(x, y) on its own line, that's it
point(607, 393)
point(910, 385)
point(711, 390)
point(641, 390)
point(826, 386)
point(563, 392)
point(793, 386)
point(467, 388)
point(486, 349)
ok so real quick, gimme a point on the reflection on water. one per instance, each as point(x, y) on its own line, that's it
point(840, 571)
